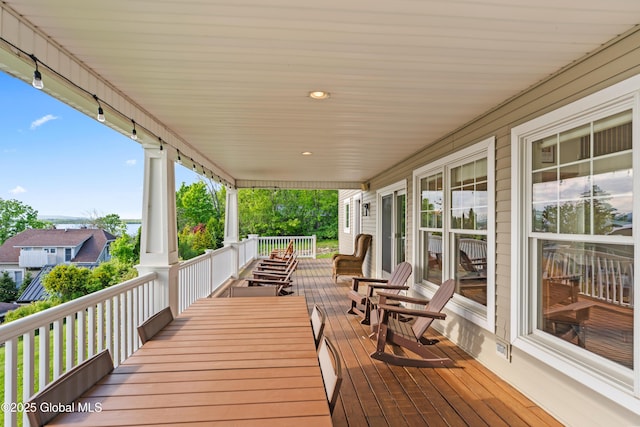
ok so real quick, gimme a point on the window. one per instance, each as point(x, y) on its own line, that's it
point(50, 250)
point(456, 228)
point(574, 257)
point(347, 216)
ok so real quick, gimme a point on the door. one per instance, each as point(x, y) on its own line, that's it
point(392, 228)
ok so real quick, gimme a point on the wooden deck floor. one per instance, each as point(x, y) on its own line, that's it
point(374, 393)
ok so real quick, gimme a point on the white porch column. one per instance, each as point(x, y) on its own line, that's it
point(159, 237)
point(231, 226)
point(231, 217)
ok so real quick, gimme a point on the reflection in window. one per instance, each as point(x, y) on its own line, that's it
point(432, 253)
point(586, 296)
point(582, 178)
point(471, 271)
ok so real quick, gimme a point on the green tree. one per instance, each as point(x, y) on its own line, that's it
point(108, 274)
point(67, 281)
point(276, 212)
point(27, 310)
point(125, 249)
point(110, 223)
point(15, 217)
point(200, 217)
point(8, 289)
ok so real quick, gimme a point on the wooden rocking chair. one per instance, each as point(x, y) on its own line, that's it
point(390, 330)
point(364, 303)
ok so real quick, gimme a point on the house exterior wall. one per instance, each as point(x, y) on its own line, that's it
point(549, 386)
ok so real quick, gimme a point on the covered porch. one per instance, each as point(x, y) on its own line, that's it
point(374, 393)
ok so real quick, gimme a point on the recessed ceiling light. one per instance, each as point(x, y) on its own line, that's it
point(319, 94)
point(307, 153)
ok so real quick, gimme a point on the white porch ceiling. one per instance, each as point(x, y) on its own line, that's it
point(231, 78)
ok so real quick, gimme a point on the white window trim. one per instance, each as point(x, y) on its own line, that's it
point(399, 187)
point(612, 380)
point(347, 217)
point(463, 307)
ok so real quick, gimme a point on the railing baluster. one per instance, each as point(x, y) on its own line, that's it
point(10, 379)
point(28, 354)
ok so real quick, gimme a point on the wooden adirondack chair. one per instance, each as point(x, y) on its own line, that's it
point(362, 303)
point(390, 330)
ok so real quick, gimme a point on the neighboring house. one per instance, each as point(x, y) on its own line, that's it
point(33, 250)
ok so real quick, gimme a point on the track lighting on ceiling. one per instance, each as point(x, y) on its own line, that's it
point(194, 166)
point(134, 134)
point(37, 77)
point(100, 115)
point(39, 84)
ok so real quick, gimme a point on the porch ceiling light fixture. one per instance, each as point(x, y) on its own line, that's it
point(319, 94)
point(134, 134)
point(307, 153)
point(37, 77)
point(100, 115)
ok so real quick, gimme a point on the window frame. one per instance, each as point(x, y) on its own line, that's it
point(483, 316)
point(346, 209)
point(603, 376)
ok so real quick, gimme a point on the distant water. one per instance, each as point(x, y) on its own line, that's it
point(132, 228)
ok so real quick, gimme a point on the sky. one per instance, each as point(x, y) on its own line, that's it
point(62, 162)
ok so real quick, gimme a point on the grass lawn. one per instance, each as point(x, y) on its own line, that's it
point(326, 248)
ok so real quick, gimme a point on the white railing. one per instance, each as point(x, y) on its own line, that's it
point(305, 246)
point(67, 334)
point(53, 341)
point(201, 276)
point(35, 259)
point(602, 276)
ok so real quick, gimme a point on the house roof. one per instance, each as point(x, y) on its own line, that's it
point(227, 84)
point(92, 241)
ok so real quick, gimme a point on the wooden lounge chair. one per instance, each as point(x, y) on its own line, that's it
point(154, 324)
point(390, 330)
point(253, 291)
point(351, 265)
point(68, 388)
point(282, 254)
point(269, 265)
point(282, 281)
point(331, 370)
point(363, 302)
point(318, 318)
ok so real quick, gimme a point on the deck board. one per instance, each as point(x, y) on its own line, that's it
point(374, 393)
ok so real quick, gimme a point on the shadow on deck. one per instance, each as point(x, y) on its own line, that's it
point(374, 393)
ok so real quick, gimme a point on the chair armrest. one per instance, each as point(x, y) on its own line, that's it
point(356, 281)
point(392, 287)
point(404, 298)
point(412, 312)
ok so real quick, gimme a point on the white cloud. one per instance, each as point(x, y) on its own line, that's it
point(131, 162)
point(17, 190)
point(42, 120)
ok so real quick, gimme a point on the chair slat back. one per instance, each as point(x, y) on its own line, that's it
point(400, 274)
point(253, 291)
point(154, 324)
point(68, 388)
point(440, 298)
point(318, 318)
point(331, 368)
